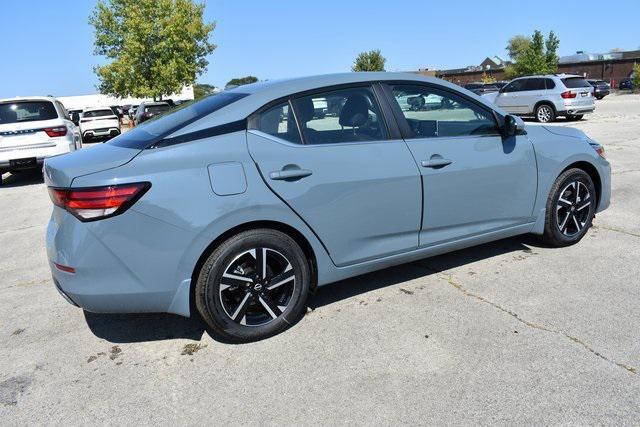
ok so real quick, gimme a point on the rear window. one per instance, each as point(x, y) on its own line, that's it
point(26, 111)
point(155, 109)
point(97, 113)
point(575, 82)
point(144, 135)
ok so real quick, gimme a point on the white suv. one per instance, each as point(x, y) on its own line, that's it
point(546, 97)
point(99, 123)
point(32, 129)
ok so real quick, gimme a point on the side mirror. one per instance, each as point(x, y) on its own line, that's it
point(75, 118)
point(512, 125)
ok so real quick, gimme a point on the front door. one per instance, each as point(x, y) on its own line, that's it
point(334, 164)
point(512, 97)
point(474, 180)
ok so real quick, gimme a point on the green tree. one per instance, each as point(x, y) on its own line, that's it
point(239, 81)
point(155, 47)
point(487, 78)
point(369, 61)
point(636, 77)
point(516, 45)
point(200, 90)
point(539, 58)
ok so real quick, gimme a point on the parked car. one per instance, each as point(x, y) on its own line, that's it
point(481, 88)
point(246, 201)
point(546, 97)
point(33, 129)
point(600, 88)
point(147, 110)
point(99, 123)
point(626, 84)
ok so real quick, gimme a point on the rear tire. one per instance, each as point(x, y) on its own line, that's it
point(545, 113)
point(575, 118)
point(253, 286)
point(570, 209)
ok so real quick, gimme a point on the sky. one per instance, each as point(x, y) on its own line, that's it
point(46, 46)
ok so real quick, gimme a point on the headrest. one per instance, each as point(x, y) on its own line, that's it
point(305, 109)
point(355, 111)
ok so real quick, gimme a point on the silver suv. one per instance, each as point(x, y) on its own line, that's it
point(546, 97)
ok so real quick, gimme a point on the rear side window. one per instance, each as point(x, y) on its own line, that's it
point(97, 113)
point(534, 84)
point(575, 82)
point(279, 122)
point(144, 135)
point(27, 111)
point(549, 84)
point(345, 115)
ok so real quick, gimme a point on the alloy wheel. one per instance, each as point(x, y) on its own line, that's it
point(257, 286)
point(544, 114)
point(573, 208)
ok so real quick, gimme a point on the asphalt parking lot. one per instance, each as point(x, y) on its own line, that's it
point(508, 332)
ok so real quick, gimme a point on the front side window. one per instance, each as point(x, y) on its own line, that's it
point(26, 111)
point(344, 115)
point(279, 122)
point(515, 86)
point(433, 113)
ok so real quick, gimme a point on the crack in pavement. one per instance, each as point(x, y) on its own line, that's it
point(21, 228)
point(453, 283)
point(617, 230)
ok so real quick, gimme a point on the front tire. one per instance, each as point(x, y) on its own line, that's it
point(570, 207)
point(545, 113)
point(253, 286)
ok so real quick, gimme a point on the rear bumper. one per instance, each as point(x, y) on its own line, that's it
point(574, 111)
point(101, 133)
point(120, 267)
point(10, 159)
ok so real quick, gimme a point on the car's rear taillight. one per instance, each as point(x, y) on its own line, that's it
point(568, 94)
point(57, 131)
point(91, 204)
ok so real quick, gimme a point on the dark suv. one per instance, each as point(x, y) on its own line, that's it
point(600, 88)
point(146, 110)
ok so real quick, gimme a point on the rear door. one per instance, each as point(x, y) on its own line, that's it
point(342, 169)
point(474, 180)
point(534, 91)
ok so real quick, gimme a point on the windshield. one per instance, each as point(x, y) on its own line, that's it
point(26, 111)
point(97, 113)
point(144, 135)
point(575, 82)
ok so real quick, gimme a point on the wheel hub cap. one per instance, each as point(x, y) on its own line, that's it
point(257, 286)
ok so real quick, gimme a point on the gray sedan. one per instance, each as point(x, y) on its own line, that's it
point(238, 206)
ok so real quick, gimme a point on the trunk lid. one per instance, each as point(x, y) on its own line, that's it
point(60, 171)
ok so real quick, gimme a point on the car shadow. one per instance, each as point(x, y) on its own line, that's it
point(23, 178)
point(130, 328)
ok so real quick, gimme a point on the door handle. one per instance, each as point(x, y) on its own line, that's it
point(436, 163)
point(289, 174)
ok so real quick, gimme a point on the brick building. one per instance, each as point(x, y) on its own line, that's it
point(611, 70)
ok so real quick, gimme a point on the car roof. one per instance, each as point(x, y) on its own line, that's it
point(262, 93)
point(96, 109)
point(28, 98)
